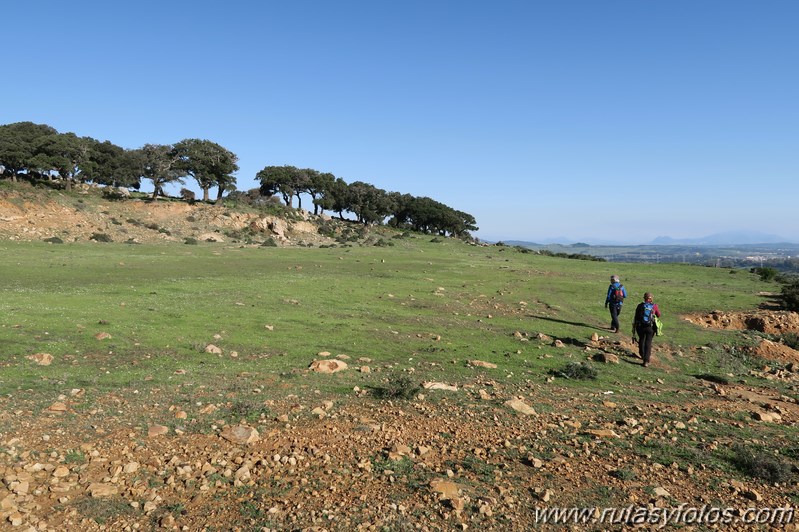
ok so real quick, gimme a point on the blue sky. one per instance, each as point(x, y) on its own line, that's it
point(615, 120)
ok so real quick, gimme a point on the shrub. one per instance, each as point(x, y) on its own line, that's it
point(187, 195)
point(101, 237)
point(766, 273)
point(269, 243)
point(790, 296)
point(190, 240)
point(623, 474)
point(577, 371)
point(327, 228)
point(54, 240)
point(247, 410)
point(713, 378)
point(791, 340)
point(758, 463)
point(397, 387)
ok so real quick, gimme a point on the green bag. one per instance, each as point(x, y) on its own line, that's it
point(657, 323)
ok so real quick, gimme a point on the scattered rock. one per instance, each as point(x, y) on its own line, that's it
point(42, 359)
point(102, 489)
point(606, 358)
point(240, 434)
point(482, 364)
point(439, 386)
point(328, 366)
point(521, 406)
point(771, 417)
point(445, 489)
point(602, 433)
point(661, 492)
point(156, 430)
point(58, 407)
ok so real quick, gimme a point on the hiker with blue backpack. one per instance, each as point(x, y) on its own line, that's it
point(614, 300)
point(644, 324)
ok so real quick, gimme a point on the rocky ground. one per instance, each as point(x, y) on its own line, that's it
point(480, 456)
point(483, 455)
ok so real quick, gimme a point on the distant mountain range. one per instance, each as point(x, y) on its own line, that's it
point(723, 239)
point(727, 238)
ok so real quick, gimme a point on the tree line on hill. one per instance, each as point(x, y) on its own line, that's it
point(38, 152)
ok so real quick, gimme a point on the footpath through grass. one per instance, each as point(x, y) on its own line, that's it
point(419, 307)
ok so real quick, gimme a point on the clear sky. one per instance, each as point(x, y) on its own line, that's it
point(617, 120)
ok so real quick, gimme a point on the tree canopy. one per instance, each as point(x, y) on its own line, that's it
point(38, 151)
point(208, 163)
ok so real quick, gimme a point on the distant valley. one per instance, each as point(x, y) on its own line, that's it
point(781, 256)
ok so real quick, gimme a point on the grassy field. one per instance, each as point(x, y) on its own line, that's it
point(419, 310)
point(420, 305)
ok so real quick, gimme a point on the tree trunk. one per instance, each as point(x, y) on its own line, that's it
point(205, 194)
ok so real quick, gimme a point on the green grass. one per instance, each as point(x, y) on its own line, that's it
point(424, 306)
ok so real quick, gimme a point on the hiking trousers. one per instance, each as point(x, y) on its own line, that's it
point(615, 310)
point(645, 335)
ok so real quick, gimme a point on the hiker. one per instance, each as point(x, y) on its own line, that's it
point(643, 325)
point(614, 300)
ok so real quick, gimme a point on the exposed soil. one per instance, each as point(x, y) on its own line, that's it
point(771, 322)
point(445, 460)
point(37, 216)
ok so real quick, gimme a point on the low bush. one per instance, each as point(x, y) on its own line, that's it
point(577, 370)
point(766, 273)
point(759, 463)
point(791, 340)
point(709, 377)
point(101, 237)
point(790, 296)
point(397, 387)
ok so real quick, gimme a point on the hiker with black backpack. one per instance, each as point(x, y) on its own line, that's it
point(644, 326)
point(614, 301)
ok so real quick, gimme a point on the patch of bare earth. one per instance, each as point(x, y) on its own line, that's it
point(764, 321)
point(142, 221)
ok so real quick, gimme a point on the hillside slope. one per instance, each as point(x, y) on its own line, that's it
point(31, 214)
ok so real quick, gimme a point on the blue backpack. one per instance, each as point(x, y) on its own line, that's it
point(648, 314)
